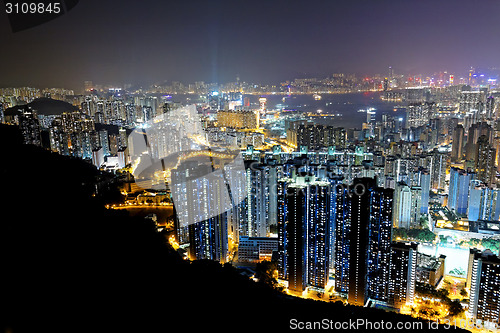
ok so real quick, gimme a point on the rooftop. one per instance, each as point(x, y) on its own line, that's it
point(429, 262)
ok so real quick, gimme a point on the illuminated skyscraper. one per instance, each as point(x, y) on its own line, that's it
point(88, 86)
point(471, 102)
point(489, 108)
point(402, 206)
point(208, 239)
point(379, 244)
point(261, 199)
point(484, 301)
point(418, 114)
point(363, 225)
point(483, 203)
point(29, 126)
point(303, 232)
point(2, 115)
point(485, 162)
point(104, 142)
point(370, 120)
point(425, 184)
point(439, 164)
point(474, 133)
point(240, 119)
point(458, 143)
point(296, 237)
point(282, 216)
point(458, 193)
point(318, 234)
point(314, 136)
point(262, 105)
point(402, 276)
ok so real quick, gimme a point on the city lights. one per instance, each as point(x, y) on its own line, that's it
point(290, 154)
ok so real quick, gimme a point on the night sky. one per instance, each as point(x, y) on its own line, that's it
point(269, 41)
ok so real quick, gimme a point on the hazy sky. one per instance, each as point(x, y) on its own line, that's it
point(145, 41)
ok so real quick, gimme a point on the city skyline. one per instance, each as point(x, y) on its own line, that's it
point(270, 42)
point(297, 161)
point(364, 216)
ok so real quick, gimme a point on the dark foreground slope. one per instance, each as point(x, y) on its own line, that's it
point(69, 265)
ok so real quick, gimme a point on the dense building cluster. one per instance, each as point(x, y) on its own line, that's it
point(321, 201)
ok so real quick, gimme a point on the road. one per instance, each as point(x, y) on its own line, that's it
point(162, 212)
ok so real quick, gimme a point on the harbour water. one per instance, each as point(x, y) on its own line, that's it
point(346, 106)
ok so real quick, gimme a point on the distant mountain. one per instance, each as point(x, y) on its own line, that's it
point(49, 106)
point(46, 106)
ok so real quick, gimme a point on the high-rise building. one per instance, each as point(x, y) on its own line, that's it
point(122, 139)
point(415, 95)
point(318, 234)
point(131, 114)
point(198, 204)
point(314, 136)
point(86, 145)
point(415, 206)
point(471, 101)
point(484, 301)
point(296, 236)
point(422, 179)
point(483, 203)
point(262, 104)
point(29, 126)
point(472, 253)
point(402, 206)
point(438, 170)
point(472, 106)
point(282, 216)
point(485, 162)
point(261, 199)
point(104, 142)
point(489, 112)
point(2, 114)
point(240, 119)
point(88, 86)
point(379, 244)
point(363, 224)
point(475, 132)
point(458, 193)
point(418, 114)
point(402, 274)
point(303, 232)
point(458, 143)
point(371, 116)
point(208, 239)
